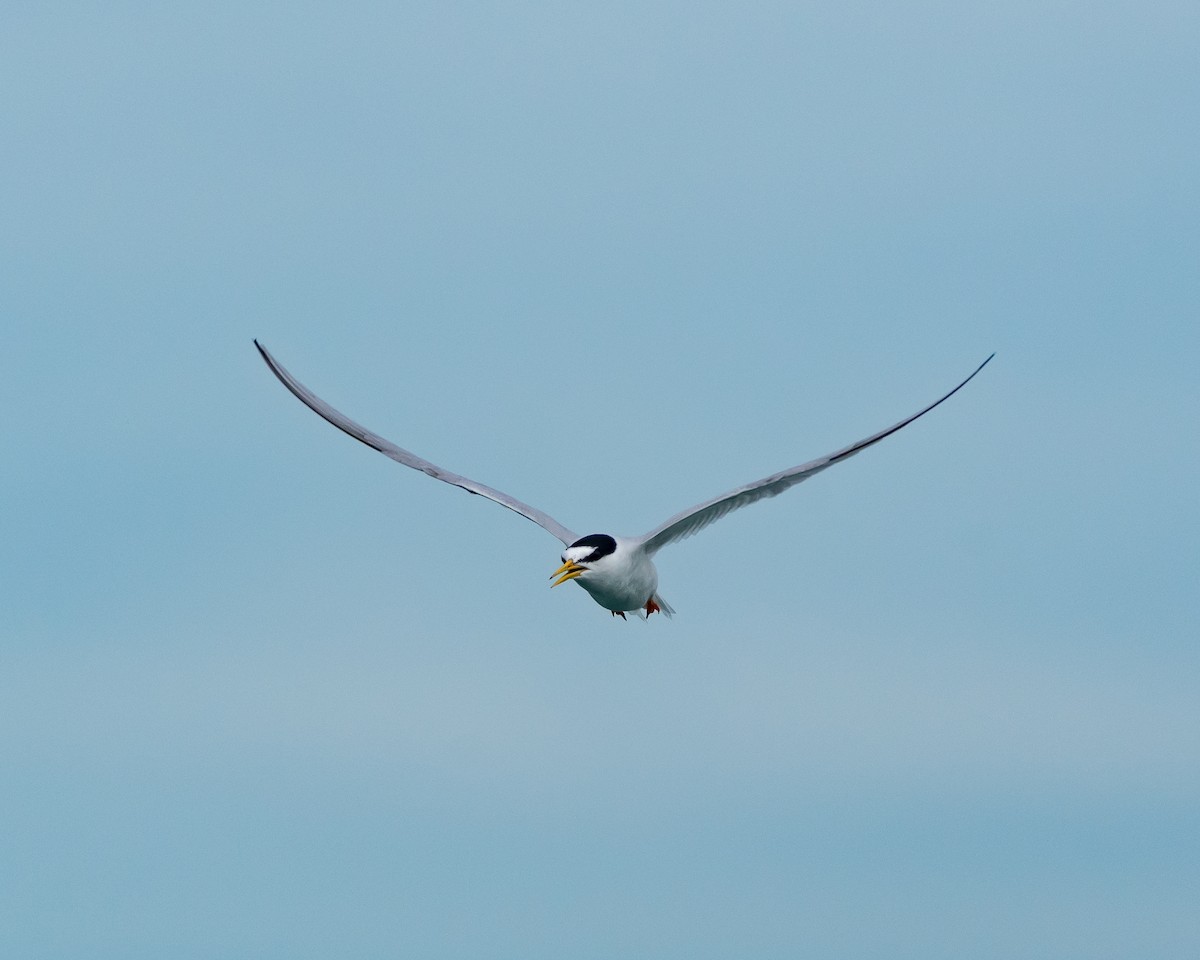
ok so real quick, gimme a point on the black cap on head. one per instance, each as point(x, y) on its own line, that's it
point(601, 543)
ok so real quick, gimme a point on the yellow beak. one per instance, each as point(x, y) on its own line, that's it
point(569, 570)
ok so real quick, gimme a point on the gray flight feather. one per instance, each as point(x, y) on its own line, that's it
point(400, 455)
point(700, 516)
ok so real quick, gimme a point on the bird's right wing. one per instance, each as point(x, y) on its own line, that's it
point(700, 516)
point(400, 455)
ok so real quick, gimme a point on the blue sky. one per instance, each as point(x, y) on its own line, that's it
point(266, 694)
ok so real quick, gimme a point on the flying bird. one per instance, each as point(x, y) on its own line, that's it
point(618, 572)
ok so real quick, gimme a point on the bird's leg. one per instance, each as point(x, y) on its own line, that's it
point(618, 613)
point(652, 607)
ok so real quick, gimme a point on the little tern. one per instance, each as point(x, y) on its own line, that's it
point(618, 572)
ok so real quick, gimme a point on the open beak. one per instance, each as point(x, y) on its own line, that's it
point(568, 571)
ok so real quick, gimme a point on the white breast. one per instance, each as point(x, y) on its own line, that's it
point(625, 580)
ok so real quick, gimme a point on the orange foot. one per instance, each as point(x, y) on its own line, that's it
point(618, 613)
point(652, 607)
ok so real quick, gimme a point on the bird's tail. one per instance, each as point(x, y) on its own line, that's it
point(656, 604)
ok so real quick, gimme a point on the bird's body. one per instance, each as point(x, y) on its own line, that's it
point(618, 572)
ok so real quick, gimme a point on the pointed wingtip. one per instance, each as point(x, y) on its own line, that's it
point(267, 358)
point(972, 376)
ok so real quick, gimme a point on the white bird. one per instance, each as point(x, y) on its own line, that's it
point(618, 572)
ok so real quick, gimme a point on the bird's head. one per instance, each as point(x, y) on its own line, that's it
point(583, 555)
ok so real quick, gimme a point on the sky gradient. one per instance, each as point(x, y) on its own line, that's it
point(266, 694)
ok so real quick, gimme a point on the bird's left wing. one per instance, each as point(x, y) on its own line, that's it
point(400, 455)
point(700, 516)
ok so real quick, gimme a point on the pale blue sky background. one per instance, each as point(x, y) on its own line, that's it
point(264, 694)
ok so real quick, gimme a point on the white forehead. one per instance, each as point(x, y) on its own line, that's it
point(577, 553)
